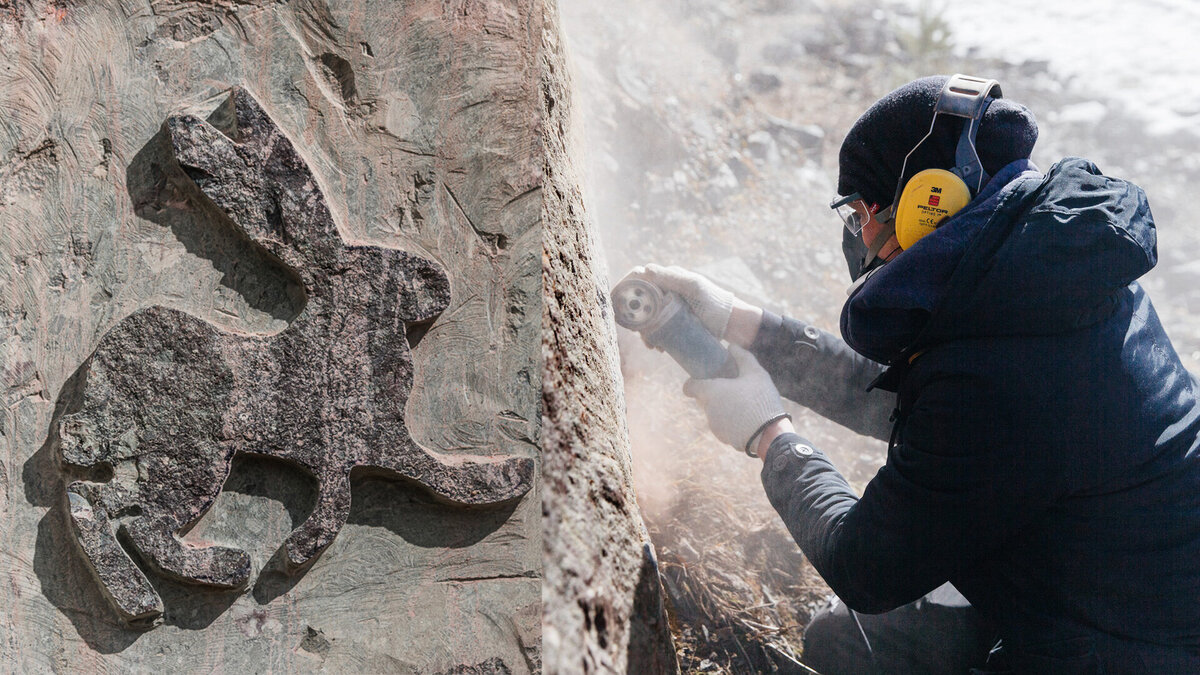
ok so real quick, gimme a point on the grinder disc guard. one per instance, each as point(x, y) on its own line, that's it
point(638, 304)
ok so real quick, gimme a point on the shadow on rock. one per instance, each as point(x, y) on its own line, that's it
point(651, 649)
point(42, 474)
point(404, 508)
point(275, 479)
point(162, 194)
point(68, 584)
point(413, 513)
point(192, 607)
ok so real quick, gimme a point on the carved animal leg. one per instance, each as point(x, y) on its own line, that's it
point(120, 579)
point(466, 481)
point(325, 521)
point(209, 565)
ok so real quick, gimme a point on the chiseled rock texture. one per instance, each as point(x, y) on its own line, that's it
point(320, 274)
point(603, 600)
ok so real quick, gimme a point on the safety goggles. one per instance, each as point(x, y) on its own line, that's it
point(855, 214)
point(853, 211)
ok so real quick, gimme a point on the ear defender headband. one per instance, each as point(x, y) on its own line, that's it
point(933, 195)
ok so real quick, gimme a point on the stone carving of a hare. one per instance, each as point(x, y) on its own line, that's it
point(169, 399)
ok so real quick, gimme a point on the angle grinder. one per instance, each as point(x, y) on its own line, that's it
point(666, 322)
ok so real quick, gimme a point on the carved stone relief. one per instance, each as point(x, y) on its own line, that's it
point(168, 400)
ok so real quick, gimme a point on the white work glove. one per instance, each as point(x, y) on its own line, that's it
point(738, 408)
point(711, 304)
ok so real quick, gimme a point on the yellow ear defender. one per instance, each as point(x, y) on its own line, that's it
point(929, 197)
point(933, 195)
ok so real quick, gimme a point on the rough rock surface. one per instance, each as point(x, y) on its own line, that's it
point(180, 399)
point(602, 594)
point(418, 124)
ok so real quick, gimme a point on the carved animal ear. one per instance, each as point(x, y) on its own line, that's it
point(246, 166)
point(211, 160)
point(232, 179)
point(426, 291)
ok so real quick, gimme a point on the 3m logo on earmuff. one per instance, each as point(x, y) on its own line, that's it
point(933, 195)
point(930, 197)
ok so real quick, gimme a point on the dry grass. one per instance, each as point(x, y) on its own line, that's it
point(741, 592)
point(739, 589)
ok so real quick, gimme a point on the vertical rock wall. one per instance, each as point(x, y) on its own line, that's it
point(602, 594)
point(419, 123)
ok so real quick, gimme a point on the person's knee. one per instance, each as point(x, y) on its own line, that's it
point(833, 642)
point(939, 633)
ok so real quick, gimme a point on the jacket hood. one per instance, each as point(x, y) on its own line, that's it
point(1030, 255)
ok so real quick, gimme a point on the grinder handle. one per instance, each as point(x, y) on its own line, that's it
point(693, 347)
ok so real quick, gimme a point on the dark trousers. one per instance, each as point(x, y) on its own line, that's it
point(939, 633)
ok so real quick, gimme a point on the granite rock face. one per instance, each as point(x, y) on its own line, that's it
point(319, 293)
point(604, 610)
point(179, 399)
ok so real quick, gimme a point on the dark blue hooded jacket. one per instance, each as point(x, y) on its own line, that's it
point(1045, 456)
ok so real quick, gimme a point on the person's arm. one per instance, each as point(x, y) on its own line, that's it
point(821, 372)
point(953, 489)
point(809, 366)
